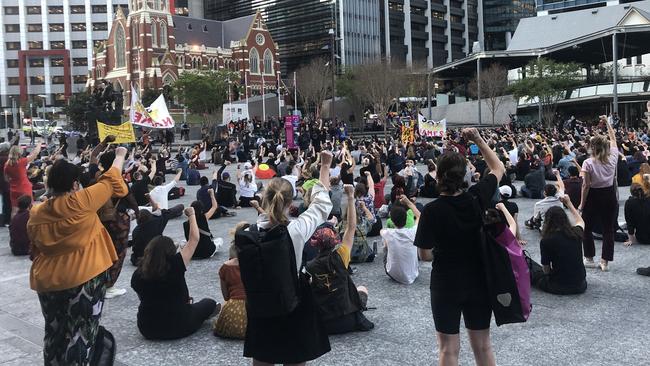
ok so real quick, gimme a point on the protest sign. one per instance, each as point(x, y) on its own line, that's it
point(123, 133)
point(433, 129)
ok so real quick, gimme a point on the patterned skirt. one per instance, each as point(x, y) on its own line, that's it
point(71, 322)
point(231, 322)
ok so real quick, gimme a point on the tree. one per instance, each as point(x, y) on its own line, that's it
point(547, 81)
point(149, 95)
point(76, 109)
point(380, 85)
point(204, 91)
point(314, 82)
point(494, 84)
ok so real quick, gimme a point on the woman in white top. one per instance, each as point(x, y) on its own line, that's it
point(299, 336)
point(247, 184)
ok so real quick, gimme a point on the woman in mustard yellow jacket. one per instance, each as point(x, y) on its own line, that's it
point(72, 251)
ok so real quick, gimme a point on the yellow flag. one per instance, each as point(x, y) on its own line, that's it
point(124, 133)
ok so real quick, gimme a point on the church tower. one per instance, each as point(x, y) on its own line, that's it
point(152, 46)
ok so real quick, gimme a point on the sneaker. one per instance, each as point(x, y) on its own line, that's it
point(644, 271)
point(589, 263)
point(230, 214)
point(218, 243)
point(217, 310)
point(112, 292)
point(603, 266)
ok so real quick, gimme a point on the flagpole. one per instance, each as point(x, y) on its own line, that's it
point(263, 92)
point(279, 104)
point(295, 94)
point(246, 91)
point(229, 101)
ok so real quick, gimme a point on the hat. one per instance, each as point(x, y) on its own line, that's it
point(505, 191)
point(248, 165)
point(225, 175)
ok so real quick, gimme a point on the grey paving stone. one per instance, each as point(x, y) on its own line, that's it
point(605, 326)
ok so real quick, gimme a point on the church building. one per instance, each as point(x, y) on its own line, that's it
point(148, 47)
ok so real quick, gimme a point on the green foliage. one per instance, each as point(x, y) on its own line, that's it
point(149, 95)
point(76, 110)
point(547, 81)
point(204, 91)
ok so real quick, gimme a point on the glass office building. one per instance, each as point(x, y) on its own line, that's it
point(545, 7)
point(500, 19)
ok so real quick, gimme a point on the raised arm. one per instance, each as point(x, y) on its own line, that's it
point(612, 136)
point(154, 167)
point(491, 158)
point(214, 207)
point(576, 215)
point(371, 185)
point(348, 236)
point(512, 223)
point(177, 177)
point(34, 154)
point(408, 203)
point(560, 182)
point(193, 239)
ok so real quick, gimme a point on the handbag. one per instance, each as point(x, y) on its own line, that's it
point(507, 271)
point(108, 212)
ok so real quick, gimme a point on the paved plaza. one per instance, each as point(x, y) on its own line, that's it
point(607, 325)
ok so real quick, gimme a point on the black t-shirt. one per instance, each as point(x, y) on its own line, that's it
point(564, 255)
point(142, 235)
point(346, 176)
point(162, 294)
point(512, 207)
point(140, 188)
point(450, 226)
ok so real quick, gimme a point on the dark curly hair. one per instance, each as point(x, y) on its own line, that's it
point(452, 168)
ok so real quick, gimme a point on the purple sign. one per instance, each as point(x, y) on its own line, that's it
point(288, 131)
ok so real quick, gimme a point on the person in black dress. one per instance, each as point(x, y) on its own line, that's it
point(451, 226)
point(166, 309)
point(562, 271)
point(206, 247)
point(430, 189)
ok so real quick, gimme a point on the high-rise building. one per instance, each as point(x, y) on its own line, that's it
point(429, 32)
point(500, 19)
point(423, 32)
point(545, 7)
point(47, 47)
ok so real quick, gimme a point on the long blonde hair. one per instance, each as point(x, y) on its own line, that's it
point(643, 170)
point(599, 148)
point(14, 155)
point(277, 196)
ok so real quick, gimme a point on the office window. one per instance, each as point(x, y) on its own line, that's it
point(35, 45)
point(12, 46)
point(55, 9)
point(437, 15)
point(12, 64)
point(57, 45)
point(100, 26)
point(37, 80)
point(57, 27)
point(120, 47)
point(79, 44)
point(33, 9)
point(79, 79)
point(99, 9)
point(58, 80)
point(12, 28)
point(639, 60)
point(56, 61)
point(11, 10)
point(34, 27)
point(79, 61)
point(77, 9)
point(13, 80)
point(78, 27)
point(628, 61)
point(36, 62)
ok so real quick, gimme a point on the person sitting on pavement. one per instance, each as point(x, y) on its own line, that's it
point(193, 175)
point(160, 194)
point(166, 310)
point(637, 216)
point(534, 182)
point(339, 300)
point(207, 244)
point(552, 194)
point(400, 255)
point(642, 178)
point(148, 226)
point(247, 185)
point(232, 320)
point(561, 271)
point(573, 185)
point(18, 239)
point(226, 191)
point(203, 196)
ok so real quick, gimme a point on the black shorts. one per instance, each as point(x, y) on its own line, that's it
point(447, 307)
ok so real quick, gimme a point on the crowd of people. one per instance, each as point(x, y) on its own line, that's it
point(322, 205)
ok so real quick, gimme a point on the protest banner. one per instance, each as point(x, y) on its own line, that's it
point(123, 133)
point(433, 129)
point(408, 130)
point(156, 116)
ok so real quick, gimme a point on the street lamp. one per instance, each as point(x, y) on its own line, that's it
point(333, 65)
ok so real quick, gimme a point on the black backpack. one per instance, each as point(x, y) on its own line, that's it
point(267, 263)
